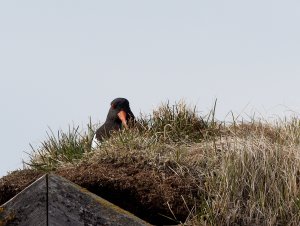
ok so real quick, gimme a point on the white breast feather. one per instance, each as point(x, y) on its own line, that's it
point(95, 143)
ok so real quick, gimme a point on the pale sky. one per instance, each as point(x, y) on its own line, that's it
point(64, 61)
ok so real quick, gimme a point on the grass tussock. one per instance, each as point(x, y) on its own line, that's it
point(246, 173)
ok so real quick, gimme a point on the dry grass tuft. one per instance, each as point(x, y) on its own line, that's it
point(246, 173)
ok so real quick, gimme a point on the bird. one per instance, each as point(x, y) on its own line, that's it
point(119, 116)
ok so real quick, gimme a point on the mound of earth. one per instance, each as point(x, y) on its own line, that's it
point(157, 197)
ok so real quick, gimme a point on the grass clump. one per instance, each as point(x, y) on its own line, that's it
point(246, 173)
point(55, 151)
point(175, 123)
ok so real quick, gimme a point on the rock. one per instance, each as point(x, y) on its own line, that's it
point(53, 200)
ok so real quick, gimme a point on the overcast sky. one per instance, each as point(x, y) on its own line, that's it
point(64, 61)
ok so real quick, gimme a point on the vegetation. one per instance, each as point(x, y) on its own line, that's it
point(246, 173)
point(7, 219)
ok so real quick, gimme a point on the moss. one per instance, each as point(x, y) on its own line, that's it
point(4, 220)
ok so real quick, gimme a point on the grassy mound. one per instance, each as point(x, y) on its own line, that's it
point(174, 166)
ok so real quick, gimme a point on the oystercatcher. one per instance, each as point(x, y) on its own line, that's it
point(119, 116)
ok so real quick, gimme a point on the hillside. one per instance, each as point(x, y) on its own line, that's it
point(174, 166)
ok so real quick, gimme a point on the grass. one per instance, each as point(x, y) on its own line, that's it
point(247, 173)
point(58, 150)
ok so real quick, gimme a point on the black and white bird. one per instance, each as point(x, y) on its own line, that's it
point(119, 116)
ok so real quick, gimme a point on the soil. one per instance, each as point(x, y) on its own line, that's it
point(160, 198)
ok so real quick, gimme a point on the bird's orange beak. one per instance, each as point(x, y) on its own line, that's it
point(122, 117)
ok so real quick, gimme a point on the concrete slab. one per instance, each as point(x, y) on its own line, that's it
point(28, 207)
point(53, 200)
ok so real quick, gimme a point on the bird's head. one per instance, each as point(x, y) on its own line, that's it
point(120, 111)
